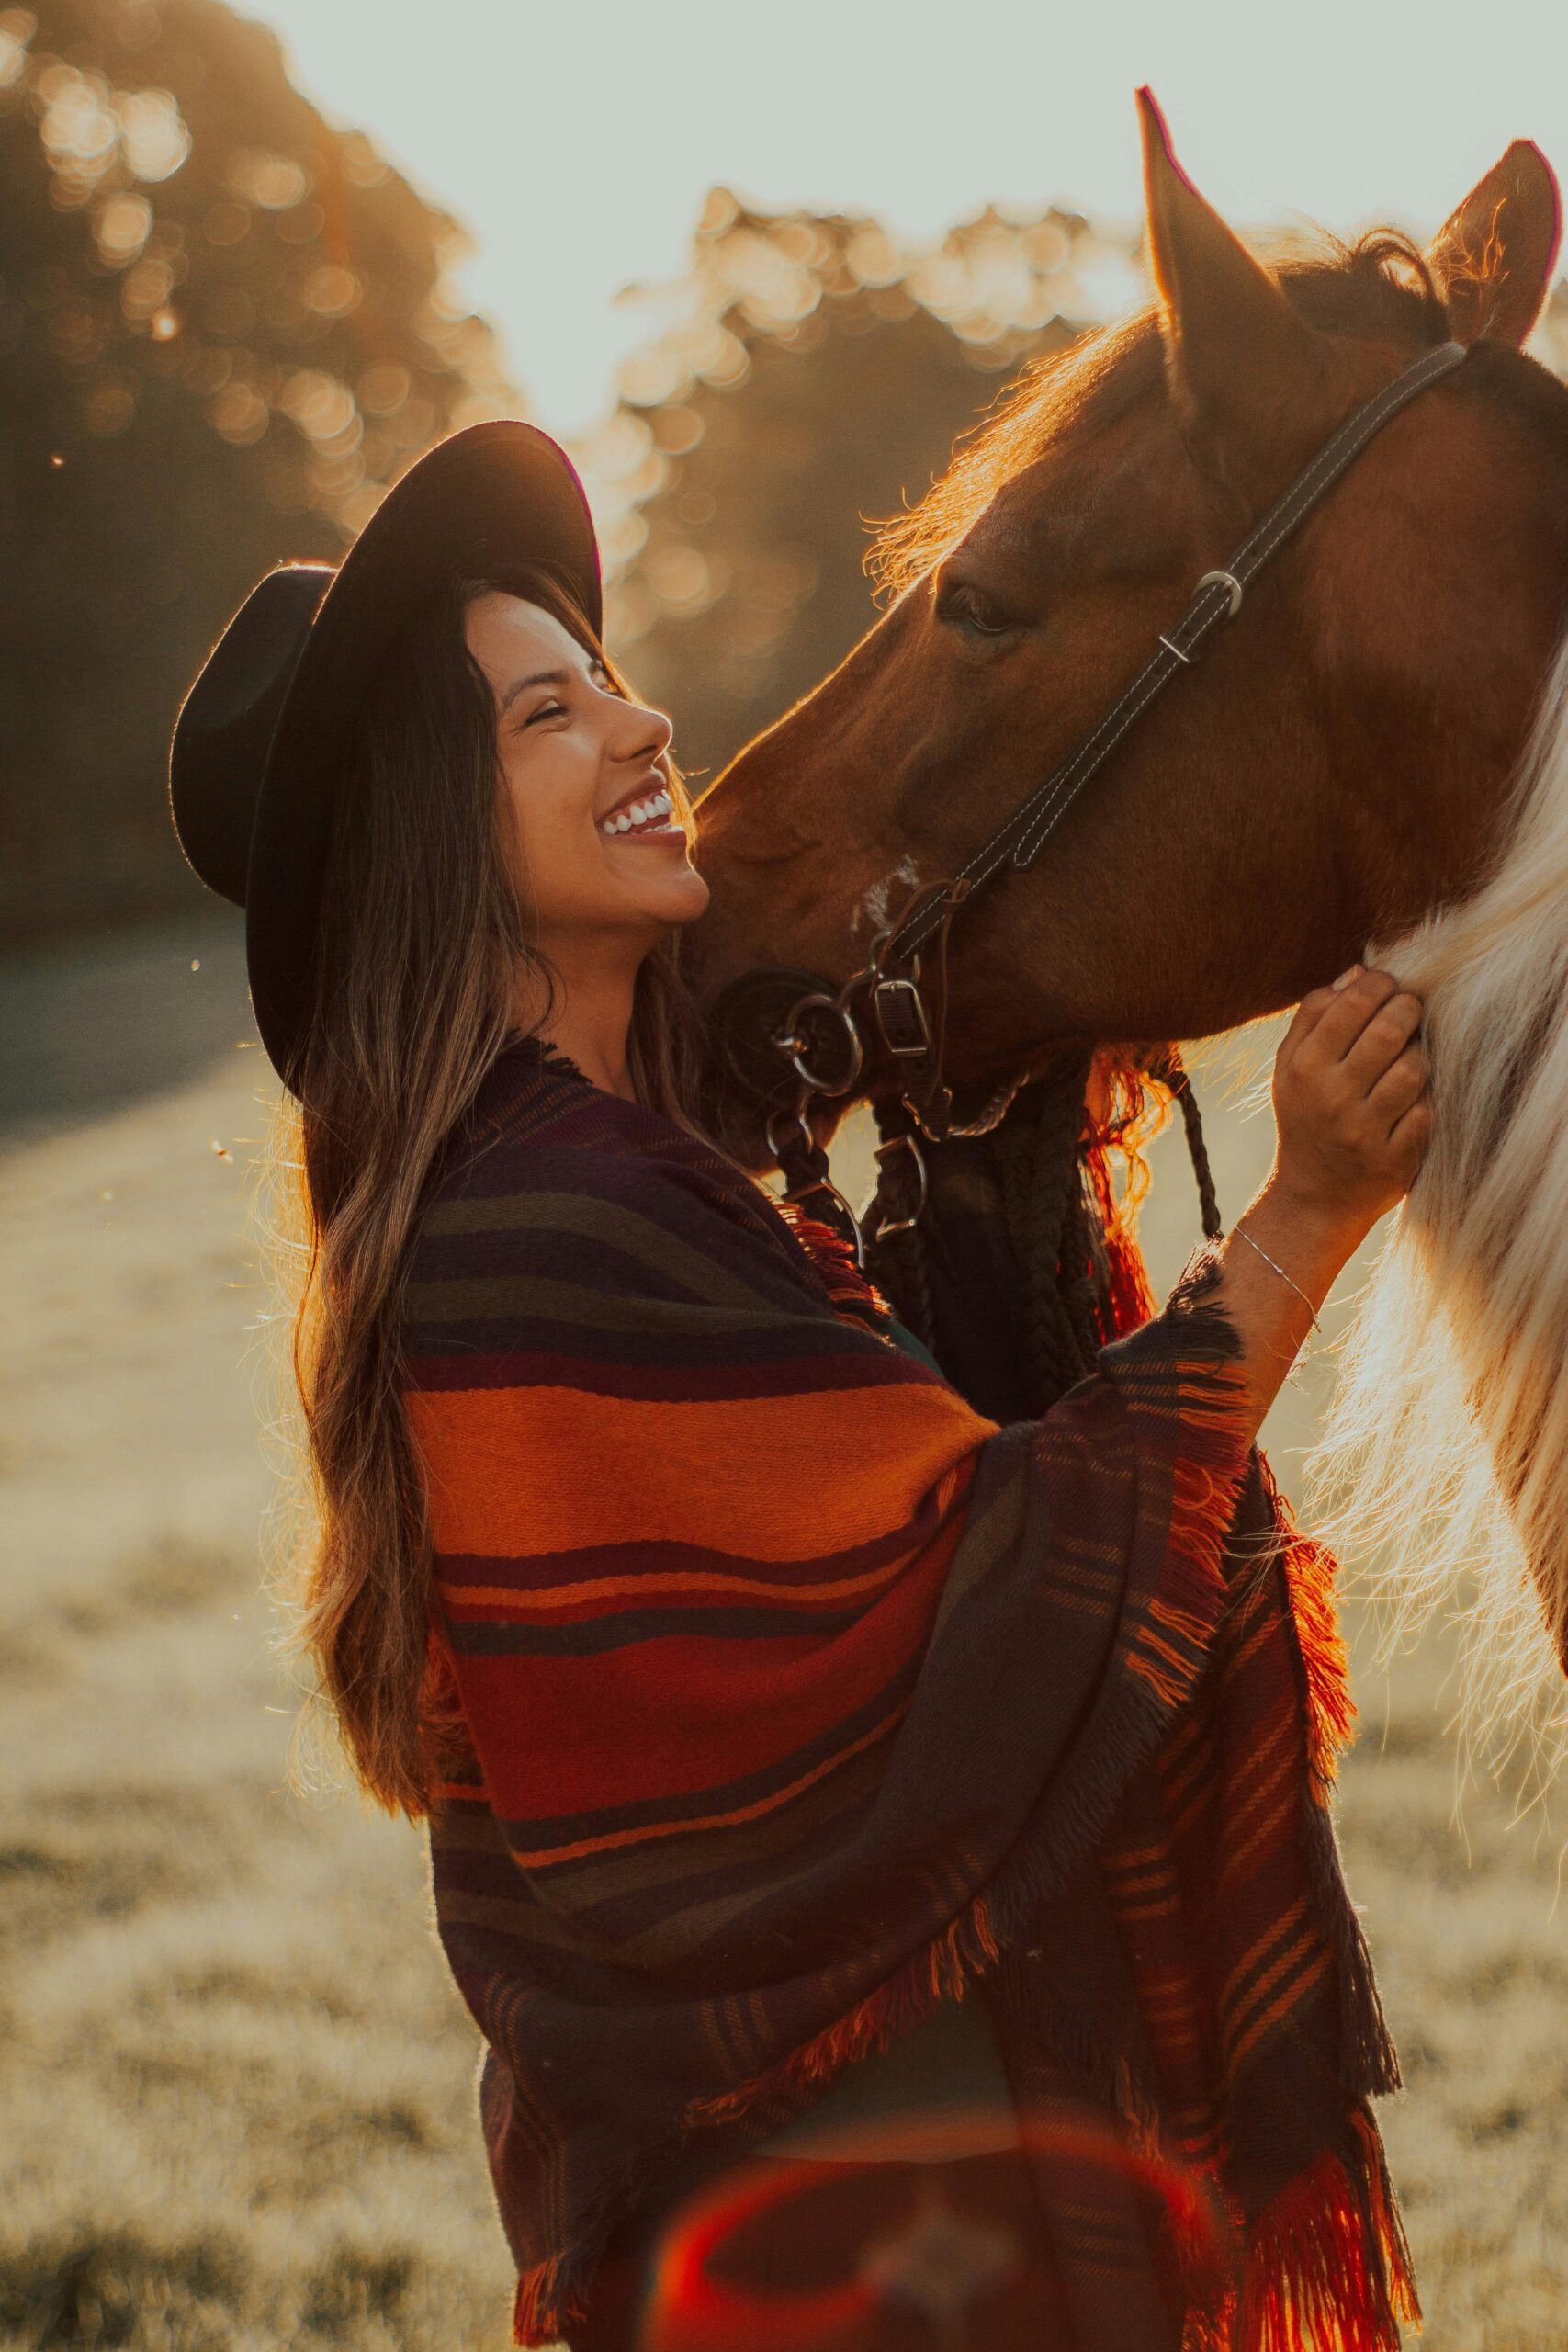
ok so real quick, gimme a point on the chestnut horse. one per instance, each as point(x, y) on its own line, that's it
point(1351, 761)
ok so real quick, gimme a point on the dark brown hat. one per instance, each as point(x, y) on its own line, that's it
point(257, 756)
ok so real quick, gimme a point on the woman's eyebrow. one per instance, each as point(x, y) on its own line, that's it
point(536, 678)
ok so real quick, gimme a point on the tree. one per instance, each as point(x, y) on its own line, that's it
point(224, 328)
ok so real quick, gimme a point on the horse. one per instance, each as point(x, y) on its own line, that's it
point(1371, 759)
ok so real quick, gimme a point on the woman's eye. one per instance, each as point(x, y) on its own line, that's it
point(972, 609)
point(545, 710)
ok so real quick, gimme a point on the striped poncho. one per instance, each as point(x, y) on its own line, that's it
point(797, 1698)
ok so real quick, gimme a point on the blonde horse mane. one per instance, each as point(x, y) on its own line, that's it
point(1443, 1468)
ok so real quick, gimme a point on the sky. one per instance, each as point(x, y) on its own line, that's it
point(576, 139)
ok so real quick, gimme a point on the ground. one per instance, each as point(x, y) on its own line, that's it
point(236, 2108)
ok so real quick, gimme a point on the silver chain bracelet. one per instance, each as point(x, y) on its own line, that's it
point(1240, 1232)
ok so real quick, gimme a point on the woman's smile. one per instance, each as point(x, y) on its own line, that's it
point(645, 814)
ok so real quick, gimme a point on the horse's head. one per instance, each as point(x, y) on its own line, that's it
point(1338, 762)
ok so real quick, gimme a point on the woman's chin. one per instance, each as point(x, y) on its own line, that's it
point(675, 898)
point(656, 871)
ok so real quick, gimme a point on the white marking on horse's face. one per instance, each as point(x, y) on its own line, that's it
point(872, 912)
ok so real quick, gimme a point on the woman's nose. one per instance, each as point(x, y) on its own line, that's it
point(641, 734)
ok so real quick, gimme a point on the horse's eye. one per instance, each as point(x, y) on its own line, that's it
point(972, 609)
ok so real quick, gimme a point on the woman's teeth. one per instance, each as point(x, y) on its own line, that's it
point(654, 810)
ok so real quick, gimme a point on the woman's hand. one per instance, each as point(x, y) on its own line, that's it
point(1353, 1121)
point(1350, 1102)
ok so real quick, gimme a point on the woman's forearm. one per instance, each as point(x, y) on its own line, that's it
point(1278, 1263)
point(1353, 1120)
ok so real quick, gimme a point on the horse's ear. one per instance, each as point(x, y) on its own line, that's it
point(1492, 259)
point(1235, 340)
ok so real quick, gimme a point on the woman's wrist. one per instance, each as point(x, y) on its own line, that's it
point(1311, 1240)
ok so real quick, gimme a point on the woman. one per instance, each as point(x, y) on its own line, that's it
point(763, 1699)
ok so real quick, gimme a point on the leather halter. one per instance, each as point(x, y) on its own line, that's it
point(828, 1023)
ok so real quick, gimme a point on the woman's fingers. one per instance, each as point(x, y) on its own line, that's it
point(1347, 1016)
point(1357, 1031)
point(1383, 1040)
point(1309, 1012)
point(1411, 1135)
point(1400, 1085)
point(1350, 1099)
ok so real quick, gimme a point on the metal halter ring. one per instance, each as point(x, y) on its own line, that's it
point(889, 1225)
point(796, 1046)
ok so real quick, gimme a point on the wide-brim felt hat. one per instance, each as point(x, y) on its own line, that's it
point(257, 760)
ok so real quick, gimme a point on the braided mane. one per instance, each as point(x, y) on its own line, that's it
point(1045, 1171)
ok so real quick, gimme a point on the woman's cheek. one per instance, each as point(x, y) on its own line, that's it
point(512, 831)
point(569, 873)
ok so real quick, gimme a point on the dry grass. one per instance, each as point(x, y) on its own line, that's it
point(237, 2104)
point(236, 2107)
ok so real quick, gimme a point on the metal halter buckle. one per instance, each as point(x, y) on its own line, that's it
point(901, 1017)
point(1222, 579)
point(1226, 579)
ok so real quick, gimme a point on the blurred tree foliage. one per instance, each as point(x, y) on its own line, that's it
point(224, 327)
point(814, 377)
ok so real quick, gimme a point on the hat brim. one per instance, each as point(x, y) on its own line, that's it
point(494, 494)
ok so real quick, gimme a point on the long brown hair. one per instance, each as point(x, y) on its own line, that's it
point(415, 968)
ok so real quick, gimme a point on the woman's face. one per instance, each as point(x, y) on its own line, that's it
point(596, 842)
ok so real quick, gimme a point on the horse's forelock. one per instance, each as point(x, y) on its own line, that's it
point(1380, 283)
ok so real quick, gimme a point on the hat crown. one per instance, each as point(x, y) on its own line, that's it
point(226, 724)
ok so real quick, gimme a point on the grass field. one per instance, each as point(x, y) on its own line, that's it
point(235, 2108)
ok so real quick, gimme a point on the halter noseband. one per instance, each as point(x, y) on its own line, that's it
point(824, 1039)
